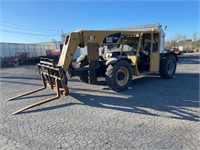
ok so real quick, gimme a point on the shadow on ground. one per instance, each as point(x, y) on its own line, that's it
point(184, 59)
point(178, 97)
point(17, 77)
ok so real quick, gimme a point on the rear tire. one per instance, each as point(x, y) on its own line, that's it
point(84, 78)
point(82, 61)
point(168, 67)
point(119, 76)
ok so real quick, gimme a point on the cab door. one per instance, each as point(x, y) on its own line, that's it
point(155, 53)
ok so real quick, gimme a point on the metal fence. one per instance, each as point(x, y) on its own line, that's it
point(34, 50)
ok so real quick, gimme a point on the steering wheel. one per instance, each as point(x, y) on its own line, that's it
point(133, 51)
point(145, 52)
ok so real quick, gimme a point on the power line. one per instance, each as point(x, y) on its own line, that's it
point(10, 31)
point(22, 28)
point(8, 23)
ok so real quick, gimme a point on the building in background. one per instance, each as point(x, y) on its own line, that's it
point(33, 49)
point(23, 53)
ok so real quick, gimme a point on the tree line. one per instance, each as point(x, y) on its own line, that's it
point(187, 42)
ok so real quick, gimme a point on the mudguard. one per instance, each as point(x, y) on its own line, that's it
point(114, 60)
point(166, 53)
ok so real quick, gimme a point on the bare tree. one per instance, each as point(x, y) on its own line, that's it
point(195, 38)
point(183, 40)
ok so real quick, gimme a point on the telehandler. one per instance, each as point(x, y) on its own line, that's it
point(115, 54)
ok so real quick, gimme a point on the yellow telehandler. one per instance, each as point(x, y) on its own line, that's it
point(115, 54)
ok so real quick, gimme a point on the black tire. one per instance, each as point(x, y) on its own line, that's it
point(119, 76)
point(82, 63)
point(168, 67)
point(84, 78)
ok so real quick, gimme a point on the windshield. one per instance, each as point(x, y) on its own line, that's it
point(130, 44)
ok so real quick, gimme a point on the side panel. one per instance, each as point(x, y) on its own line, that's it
point(155, 62)
point(135, 68)
point(106, 37)
point(155, 52)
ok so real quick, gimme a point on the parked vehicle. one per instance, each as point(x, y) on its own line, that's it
point(191, 51)
point(177, 51)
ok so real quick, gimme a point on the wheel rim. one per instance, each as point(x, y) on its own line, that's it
point(122, 76)
point(170, 67)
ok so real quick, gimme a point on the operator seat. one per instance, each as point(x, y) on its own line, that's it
point(143, 57)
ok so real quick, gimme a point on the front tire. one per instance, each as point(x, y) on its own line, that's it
point(119, 76)
point(82, 61)
point(84, 78)
point(168, 67)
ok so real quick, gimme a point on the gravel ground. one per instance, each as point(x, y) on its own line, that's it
point(153, 113)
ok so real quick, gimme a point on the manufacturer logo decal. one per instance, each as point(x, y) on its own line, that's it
point(113, 38)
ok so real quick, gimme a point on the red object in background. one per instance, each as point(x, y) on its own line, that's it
point(177, 51)
point(190, 51)
point(185, 51)
point(52, 52)
point(22, 55)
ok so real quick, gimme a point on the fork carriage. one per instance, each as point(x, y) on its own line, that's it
point(53, 77)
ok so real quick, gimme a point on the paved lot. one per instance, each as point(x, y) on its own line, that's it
point(153, 114)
